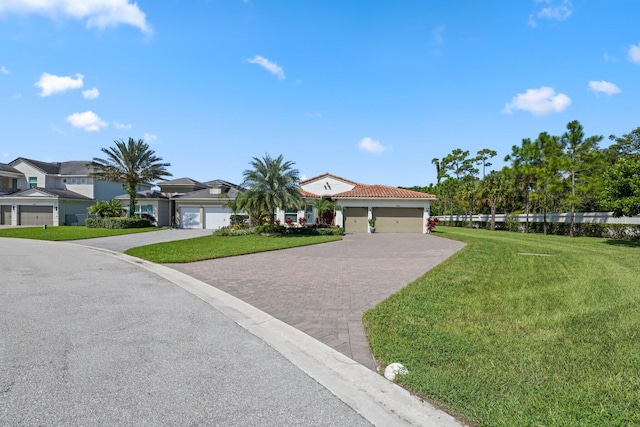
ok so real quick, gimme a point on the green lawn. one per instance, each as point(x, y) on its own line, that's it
point(67, 232)
point(507, 339)
point(209, 247)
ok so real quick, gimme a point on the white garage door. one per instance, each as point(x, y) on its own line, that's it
point(215, 218)
point(190, 218)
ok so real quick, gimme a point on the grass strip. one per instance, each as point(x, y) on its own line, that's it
point(504, 339)
point(68, 232)
point(209, 247)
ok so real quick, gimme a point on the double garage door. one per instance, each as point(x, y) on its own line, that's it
point(388, 220)
point(214, 218)
point(35, 215)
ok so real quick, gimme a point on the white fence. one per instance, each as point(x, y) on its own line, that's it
point(582, 217)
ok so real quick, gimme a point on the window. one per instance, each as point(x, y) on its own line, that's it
point(33, 181)
point(291, 213)
point(84, 180)
point(14, 183)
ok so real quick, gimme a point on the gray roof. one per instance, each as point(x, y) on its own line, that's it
point(147, 194)
point(61, 194)
point(182, 182)
point(73, 167)
point(206, 194)
point(223, 183)
point(8, 168)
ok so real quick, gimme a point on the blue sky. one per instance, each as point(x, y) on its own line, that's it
point(368, 90)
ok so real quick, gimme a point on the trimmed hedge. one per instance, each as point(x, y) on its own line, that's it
point(582, 229)
point(305, 231)
point(117, 223)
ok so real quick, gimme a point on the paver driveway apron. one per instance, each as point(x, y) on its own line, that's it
point(323, 290)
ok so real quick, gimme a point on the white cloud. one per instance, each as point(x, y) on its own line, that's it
point(634, 53)
point(555, 10)
point(604, 87)
point(372, 146)
point(91, 93)
point(17, 96)
point(438, 34)
point(538, 102)
point(609, 58)
point(89, 121)
point(51, 84)
point(313, 115)
point(121, 126)
point(271, 67)
point(97, 13)
point(149, 137)
point(4, 70)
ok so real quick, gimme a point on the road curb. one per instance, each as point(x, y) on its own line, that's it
point(380, 401)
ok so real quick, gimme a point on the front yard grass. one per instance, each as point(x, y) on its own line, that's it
point(209, 247)
point(504, 336)
point(67, 232)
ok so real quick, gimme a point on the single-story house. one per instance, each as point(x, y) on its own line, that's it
point(396, 210)
point(187, 203)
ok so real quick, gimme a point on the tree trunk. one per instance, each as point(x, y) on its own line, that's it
point(493, 213)
point(573, 206)
point(526, 211)
point(470, 211)
point(544, 214)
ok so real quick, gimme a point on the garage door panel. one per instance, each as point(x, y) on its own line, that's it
point(356, 220)
point(398, 220)
point(215, 218)
point(190, 218)
point(35, 215)
point(5, 215)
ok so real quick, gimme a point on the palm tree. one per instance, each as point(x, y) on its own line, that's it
point(271, 184)
point(109, 209)
point(132, 163)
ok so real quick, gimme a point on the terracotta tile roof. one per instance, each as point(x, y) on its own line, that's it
point(383, 192)
point(309, 194)
point(325, 175)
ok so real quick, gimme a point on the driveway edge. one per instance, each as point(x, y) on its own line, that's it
point(380, 401)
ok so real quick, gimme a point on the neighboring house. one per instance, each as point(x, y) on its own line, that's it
point(187, 203)
point(33, 192)
point(396, 210)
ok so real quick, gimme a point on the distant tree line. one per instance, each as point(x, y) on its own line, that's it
point(553, 173)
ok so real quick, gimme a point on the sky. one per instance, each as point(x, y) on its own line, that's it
point(370, 91)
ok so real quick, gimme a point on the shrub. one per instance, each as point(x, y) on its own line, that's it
point(117, 223)
point(232, 231)
point(270, 228)
point(432, 222)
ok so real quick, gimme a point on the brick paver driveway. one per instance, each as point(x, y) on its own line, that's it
point(323, 290)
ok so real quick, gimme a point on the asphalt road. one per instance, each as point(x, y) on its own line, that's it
point(89, 339)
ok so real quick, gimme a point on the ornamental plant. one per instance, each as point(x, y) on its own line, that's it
point(431, 223)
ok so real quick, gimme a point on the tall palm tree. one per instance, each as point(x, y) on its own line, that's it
point(271, 184)
point(132, 163)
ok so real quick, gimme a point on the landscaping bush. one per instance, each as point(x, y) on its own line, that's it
point(311, 230)
point(233, 231)
point(582, 229)
point(117, 223)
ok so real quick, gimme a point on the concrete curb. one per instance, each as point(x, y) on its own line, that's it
point(380, 401)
